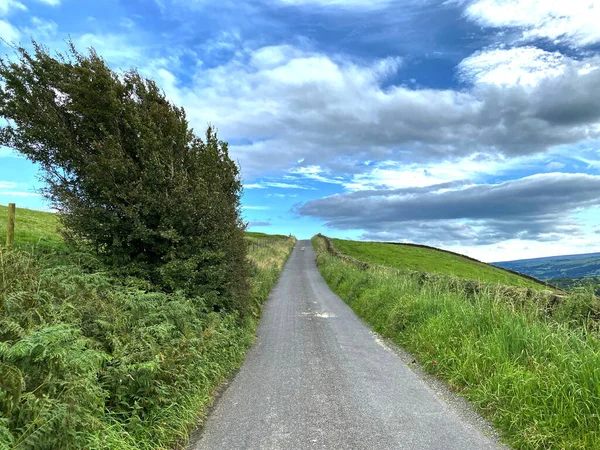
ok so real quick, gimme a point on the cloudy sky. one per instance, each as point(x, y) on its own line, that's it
point(472, 125)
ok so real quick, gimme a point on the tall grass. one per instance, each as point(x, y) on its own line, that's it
point(536, 377)
point(32, 229)
point(89, 360)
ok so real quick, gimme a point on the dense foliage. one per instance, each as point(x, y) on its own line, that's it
point(89, 360)
point(127, 174)
point(532, 368)
point(97, 358)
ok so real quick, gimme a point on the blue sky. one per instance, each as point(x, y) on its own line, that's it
point(472, 125)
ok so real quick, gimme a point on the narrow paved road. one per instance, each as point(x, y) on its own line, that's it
point(318, 378)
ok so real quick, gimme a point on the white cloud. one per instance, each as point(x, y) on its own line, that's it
point(274, 184)
point(572, 21)
point(51, 2)
point(521, 65)
point(395, 175)
point(474, 168)
point(282, 195)
point(256, 208)
point(513, 249)
point(316, 173)
point(8, 32)
point(547, 208)
point(117, 49)
point(555, 165)
point(342, 4)
point(7, 6)
point(41, 30)
point(7, 185)
point(332, 112)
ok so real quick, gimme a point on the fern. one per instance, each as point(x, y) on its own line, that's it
point(90, 360)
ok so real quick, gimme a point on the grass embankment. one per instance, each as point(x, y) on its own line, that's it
point(92, 360)
point(530, 367)
point(33, 229)
point(424, 259)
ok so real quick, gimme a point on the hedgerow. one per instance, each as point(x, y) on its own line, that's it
point(91, 360)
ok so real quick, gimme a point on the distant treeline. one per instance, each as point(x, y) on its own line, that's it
point(574, 284)
point(569, 266)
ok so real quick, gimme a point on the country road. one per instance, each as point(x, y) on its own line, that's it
point(318, 378)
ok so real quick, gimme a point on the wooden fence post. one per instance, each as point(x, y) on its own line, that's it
point(10, 230)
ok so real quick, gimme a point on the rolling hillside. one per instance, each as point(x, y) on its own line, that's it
point(32, 228)
point(427, 259)
point(567, 266)
point(39, 229)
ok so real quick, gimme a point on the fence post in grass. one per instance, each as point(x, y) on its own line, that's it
point(10, 230)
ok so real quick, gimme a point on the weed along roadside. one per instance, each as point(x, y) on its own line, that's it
point(528, 363)
point(92, 360)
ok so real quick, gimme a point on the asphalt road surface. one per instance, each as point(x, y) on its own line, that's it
point(318, 378)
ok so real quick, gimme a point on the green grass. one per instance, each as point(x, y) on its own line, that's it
point(92, 360)
point(258, 235)
point(33, 229)
point(39, 230)
point(534, 375)
point(421, 259)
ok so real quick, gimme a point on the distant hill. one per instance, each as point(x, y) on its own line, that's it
point(567, 266)
point(429, 259)
point(576, 284)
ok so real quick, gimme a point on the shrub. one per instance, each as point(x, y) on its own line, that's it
point(91, 361)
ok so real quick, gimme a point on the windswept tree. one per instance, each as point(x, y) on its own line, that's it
point(126, 173)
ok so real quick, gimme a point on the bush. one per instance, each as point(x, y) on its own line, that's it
point(90, 361)
point(127, 174)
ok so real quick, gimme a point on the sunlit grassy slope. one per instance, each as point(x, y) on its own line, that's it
point(40, 229)
point(32, 228)
point(255, 235)
point(408, 257)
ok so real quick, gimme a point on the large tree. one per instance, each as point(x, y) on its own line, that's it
point(126, 173)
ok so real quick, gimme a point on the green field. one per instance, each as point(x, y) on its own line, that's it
point(32, 228)
point(39, 230)
point(407, 257)
point(259, 235)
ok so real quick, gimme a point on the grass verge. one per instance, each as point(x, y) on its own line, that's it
point(90, 360)
point(535, 375)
